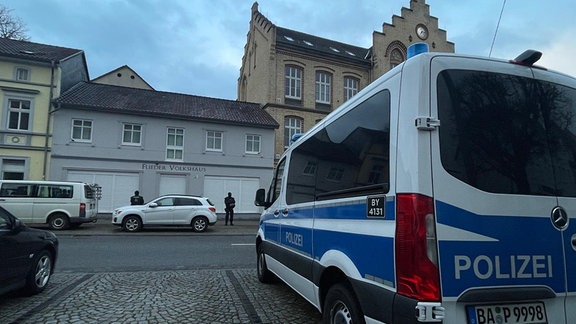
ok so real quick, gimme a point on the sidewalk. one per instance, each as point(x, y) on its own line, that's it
point(243, 225)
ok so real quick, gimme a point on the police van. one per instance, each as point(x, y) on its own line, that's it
point(445, 191)
point(59, 204)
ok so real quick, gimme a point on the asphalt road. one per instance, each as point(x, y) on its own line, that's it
point(125, 252)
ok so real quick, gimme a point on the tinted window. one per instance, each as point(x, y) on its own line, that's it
point(17, 190)
point(349, 157)
point(508, 134)
point(187, 202)
point(5, 221)
point(55, 191)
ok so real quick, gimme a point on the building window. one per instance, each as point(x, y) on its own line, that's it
point(292, 125)
point(252, 144)
point(132, 134)
point(214, 141)
point(19, 114)
point(175, 144)
point(293, 82)
point(12, 169)
point(323, 86)
point(81, 130)
point(350, 87)
point(22, 74)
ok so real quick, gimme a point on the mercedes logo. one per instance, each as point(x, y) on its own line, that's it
point(559, 217)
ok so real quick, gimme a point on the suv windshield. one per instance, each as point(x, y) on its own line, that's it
point(508, 134)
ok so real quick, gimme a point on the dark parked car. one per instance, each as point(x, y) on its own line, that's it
point(27, 256)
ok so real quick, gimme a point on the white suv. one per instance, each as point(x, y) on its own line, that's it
point(168, 210)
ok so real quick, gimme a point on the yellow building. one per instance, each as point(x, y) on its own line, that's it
point(300, 78)
point(31, 75)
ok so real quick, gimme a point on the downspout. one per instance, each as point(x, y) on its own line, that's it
point(50, 111)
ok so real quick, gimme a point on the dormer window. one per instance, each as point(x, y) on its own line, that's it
point(308, 43)
point(289, 38)
point(22, 74)
point(335, 49)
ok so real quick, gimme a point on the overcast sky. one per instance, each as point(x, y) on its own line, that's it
point(196, 46)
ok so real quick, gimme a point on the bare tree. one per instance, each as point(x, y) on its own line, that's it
point(10, 26)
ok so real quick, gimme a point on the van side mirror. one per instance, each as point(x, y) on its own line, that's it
point(260, 199)
point(153, 205)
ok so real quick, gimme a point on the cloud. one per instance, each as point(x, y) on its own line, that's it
point(559, 55)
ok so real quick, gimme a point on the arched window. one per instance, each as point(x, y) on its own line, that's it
point(396, 52)
point(396, 58)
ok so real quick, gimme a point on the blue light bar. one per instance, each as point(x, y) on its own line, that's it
point(417, 48)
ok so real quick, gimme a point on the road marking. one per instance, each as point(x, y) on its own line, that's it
point(247, 244)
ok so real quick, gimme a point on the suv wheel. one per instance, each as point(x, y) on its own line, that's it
point(200, 224)
point(132, 224)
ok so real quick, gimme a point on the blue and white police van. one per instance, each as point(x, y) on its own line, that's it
point(445, 191)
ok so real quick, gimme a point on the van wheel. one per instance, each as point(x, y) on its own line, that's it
point(264, 275)
point(39, 274)
point(341, 306)
point(199, 224)
point(58, 222)
point(132, 224)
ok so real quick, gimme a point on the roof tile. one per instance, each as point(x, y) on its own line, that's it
point(110, 98)
point(34, 51)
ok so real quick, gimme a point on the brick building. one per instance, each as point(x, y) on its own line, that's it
point(300, 78)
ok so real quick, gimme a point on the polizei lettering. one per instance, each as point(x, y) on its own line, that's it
point(295, 239)
point(512, 267)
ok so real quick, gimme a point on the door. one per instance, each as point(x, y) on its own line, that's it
point(172, 184)
point(185, 209)
point(271, 218)
point(495, 176)
point(242, 189)
point(162, 213)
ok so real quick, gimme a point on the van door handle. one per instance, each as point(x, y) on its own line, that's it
point(276, 213)
point(285, 212)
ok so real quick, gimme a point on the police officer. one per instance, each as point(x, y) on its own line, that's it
point(136, 199)
point(230, 203)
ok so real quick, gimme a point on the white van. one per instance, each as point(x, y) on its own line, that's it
point(59, 204)
point(443, 192)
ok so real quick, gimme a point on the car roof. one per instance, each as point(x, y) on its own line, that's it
point(182, 195)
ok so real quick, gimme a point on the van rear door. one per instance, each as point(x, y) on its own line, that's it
point(563, 130)
point(500, 159)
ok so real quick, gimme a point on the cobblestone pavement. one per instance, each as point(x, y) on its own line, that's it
point(191, 296)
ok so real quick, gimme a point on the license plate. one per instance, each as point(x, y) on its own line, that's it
point(528, 313)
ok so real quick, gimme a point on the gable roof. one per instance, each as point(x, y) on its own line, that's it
point(123, 100)
point(34, 51)
point(298, 40)
point(118, 72)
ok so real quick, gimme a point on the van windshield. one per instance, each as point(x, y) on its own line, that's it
point(508, 134)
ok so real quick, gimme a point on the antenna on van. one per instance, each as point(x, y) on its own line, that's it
point(497, 27)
